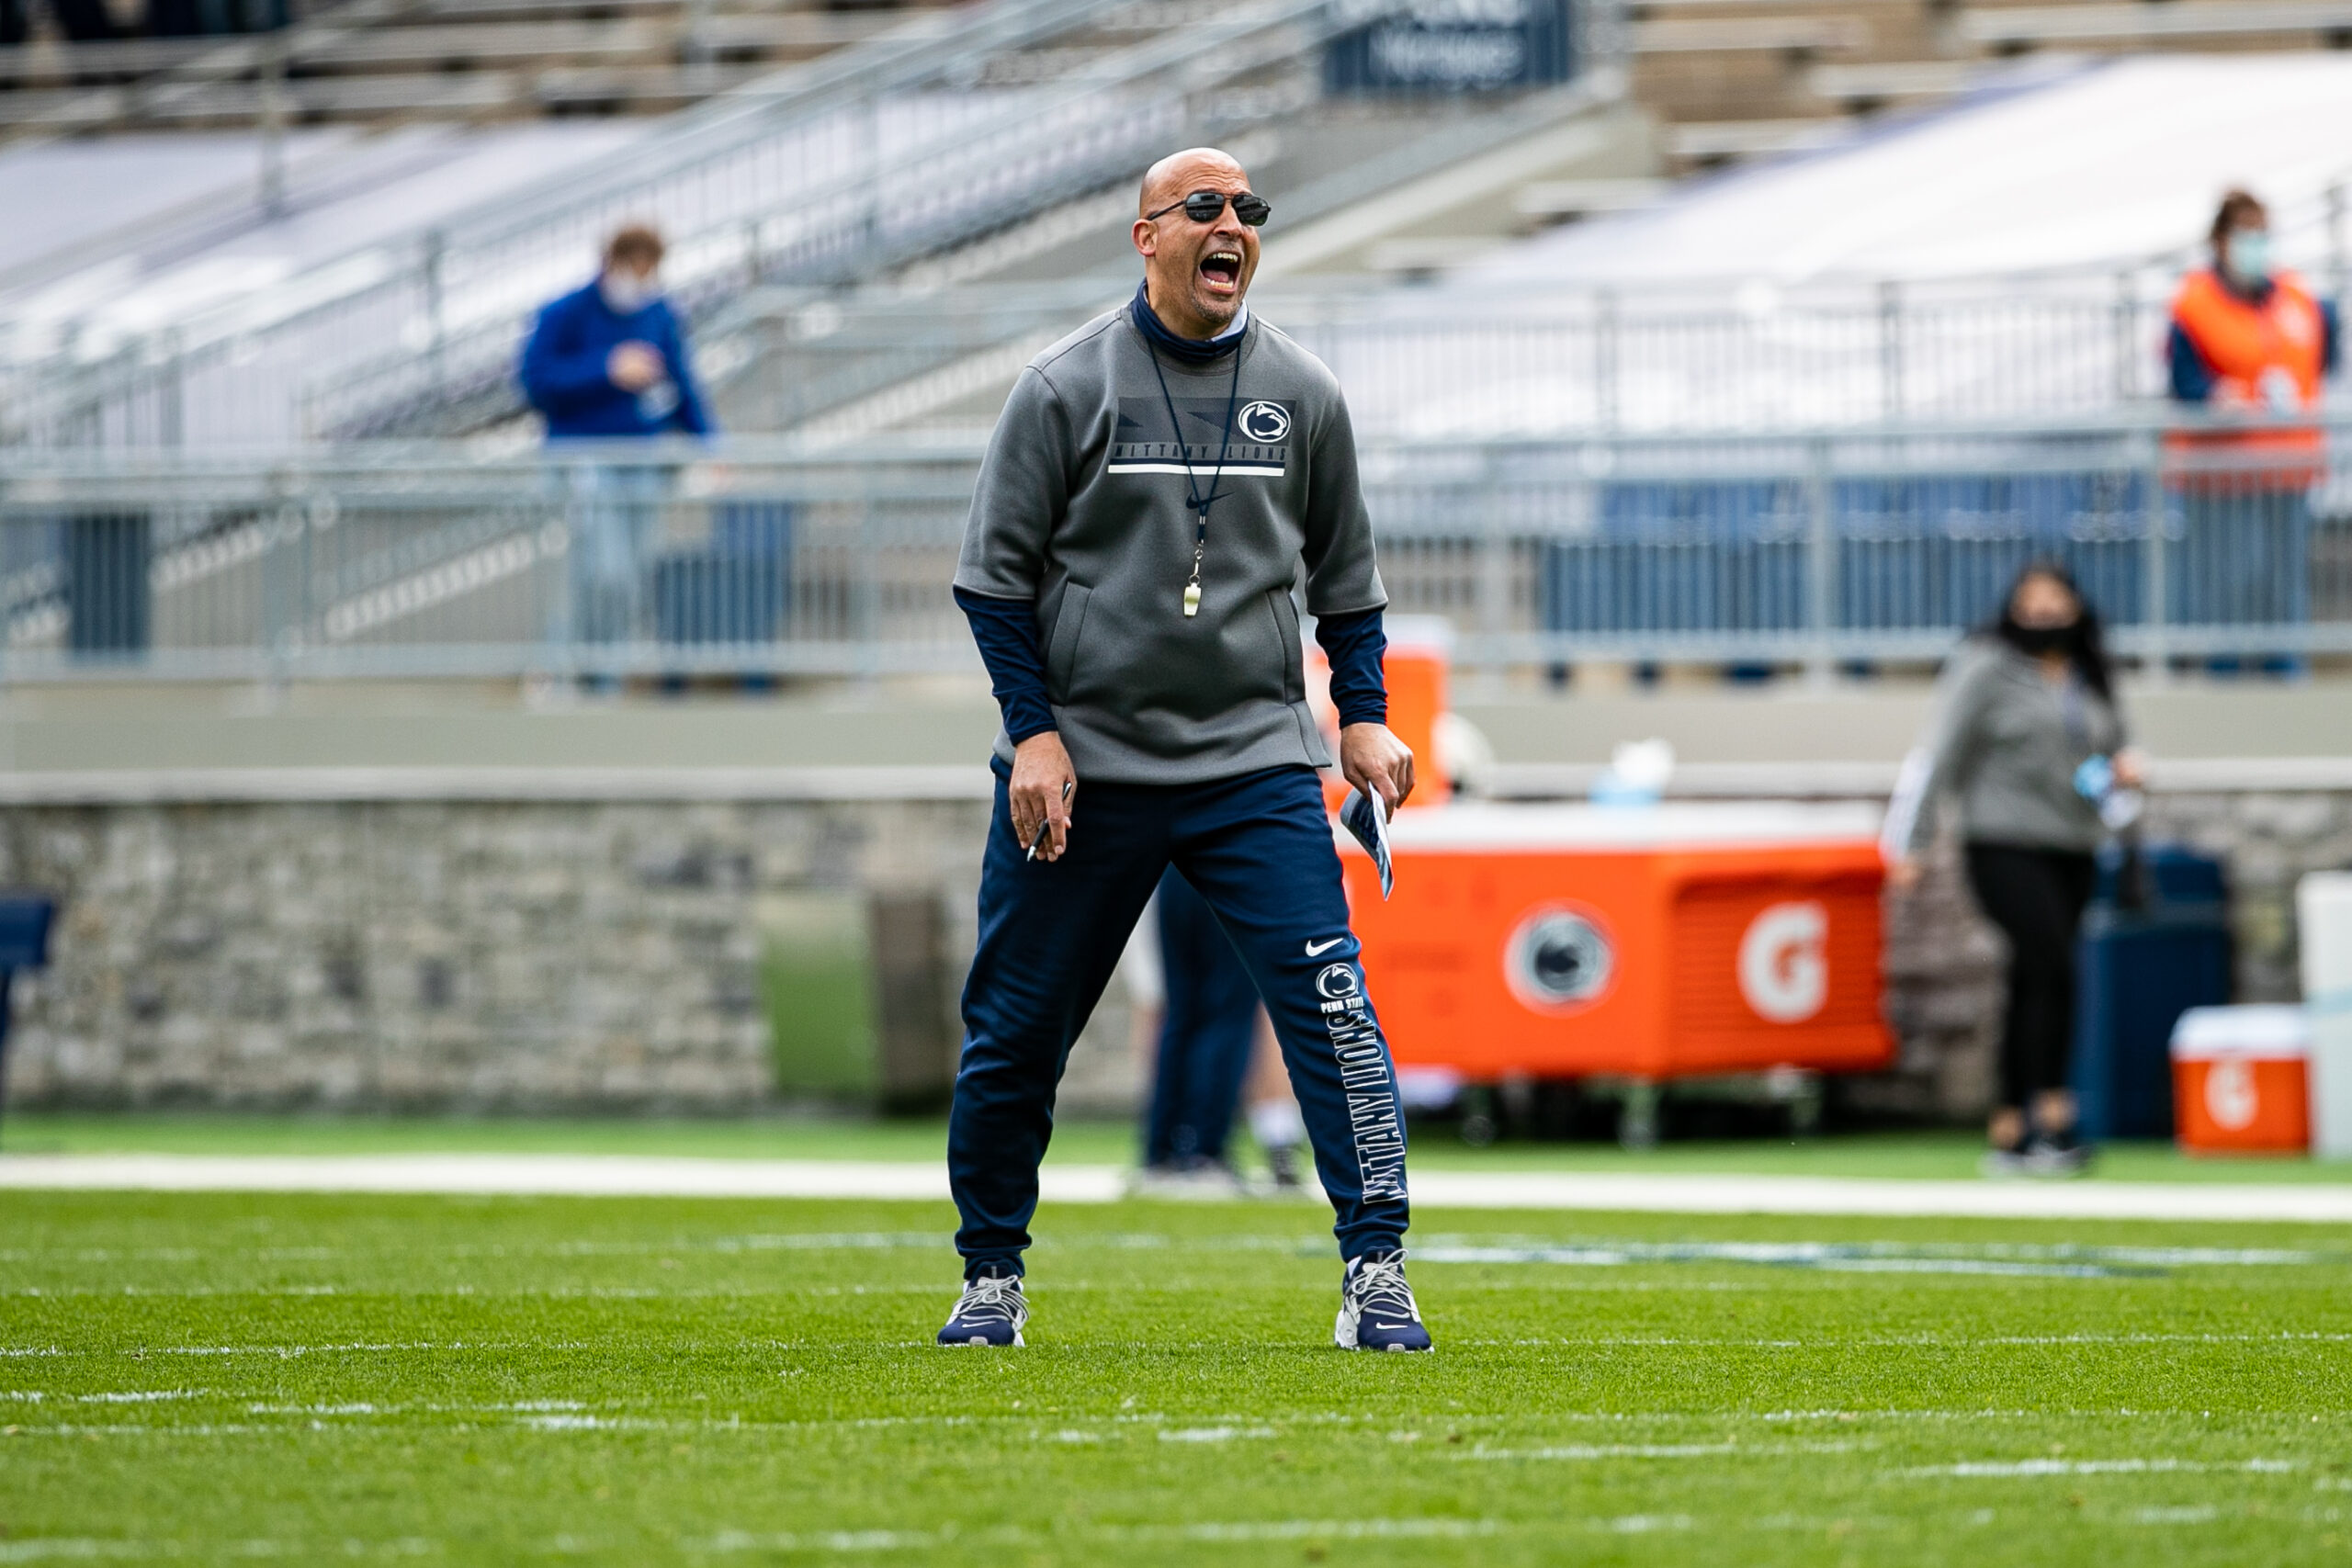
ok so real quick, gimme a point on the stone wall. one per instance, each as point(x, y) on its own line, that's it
point(548, 955)
point(466, 954)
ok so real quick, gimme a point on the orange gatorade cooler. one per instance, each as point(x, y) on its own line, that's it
point(1653, 941)
point(1420, 649)
point(2240, 1083)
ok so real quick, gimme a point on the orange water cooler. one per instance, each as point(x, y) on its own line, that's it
point(2241, 1081)
point(1652, 942)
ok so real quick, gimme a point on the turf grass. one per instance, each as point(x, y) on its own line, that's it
point(217, 1378)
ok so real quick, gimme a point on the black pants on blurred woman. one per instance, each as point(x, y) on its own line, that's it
point(2036, 897)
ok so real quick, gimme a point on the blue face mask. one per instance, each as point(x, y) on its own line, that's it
point(2246, 254)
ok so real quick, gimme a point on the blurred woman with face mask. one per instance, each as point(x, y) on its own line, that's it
point(2027, 735)
point(2250, 347)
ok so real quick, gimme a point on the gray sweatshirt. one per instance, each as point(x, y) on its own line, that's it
point(2006, 741)
point(1083, 511)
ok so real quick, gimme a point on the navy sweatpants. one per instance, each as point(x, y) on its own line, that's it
point(1207, 1037)
point(1258, 848)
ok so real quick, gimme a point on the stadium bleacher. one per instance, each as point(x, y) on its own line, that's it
point(371, 60)
point(832, 175)
point(1735, 79)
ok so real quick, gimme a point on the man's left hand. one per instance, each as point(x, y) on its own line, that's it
point(1375, 761)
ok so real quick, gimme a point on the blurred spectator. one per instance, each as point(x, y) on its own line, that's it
point(1205, 1035)
point(610, 359)
point(201, 18)
point(2248, 340)
point(1275, 1119)
point(608, 363)
point(1212, 1030)
point(82, 21)
point(2028, 737)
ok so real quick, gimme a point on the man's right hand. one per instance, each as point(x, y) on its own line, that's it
point(633, 366)
point(1040, 768)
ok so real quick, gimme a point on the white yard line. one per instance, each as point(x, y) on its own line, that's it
point(632, 1176)
point(1665, 1193)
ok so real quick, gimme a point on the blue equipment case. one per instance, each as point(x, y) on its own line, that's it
point(2139, 970)
point(24, 944)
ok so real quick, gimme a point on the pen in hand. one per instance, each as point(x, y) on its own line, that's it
point(1044, 828)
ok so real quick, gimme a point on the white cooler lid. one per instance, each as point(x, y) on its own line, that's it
point(2267, 1032)
point(1476, 826)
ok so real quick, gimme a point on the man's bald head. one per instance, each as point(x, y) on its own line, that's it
point(1178, 175)
point(1195, 272)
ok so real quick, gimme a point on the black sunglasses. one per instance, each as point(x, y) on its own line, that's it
point(1206, 206)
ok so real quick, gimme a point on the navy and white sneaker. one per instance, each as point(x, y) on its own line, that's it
point(1376, 1310)
point(991, 1313)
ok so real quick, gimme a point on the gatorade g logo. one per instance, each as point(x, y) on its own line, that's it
point(1783, 969)
point(2229, 1096)
point(1559, 960)
point(1338, 982)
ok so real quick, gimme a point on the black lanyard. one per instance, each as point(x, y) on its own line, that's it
point(1194, 498)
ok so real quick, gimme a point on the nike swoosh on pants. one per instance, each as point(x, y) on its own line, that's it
point(1317, 949)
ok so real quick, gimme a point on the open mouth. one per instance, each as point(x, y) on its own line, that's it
point(1221, 270)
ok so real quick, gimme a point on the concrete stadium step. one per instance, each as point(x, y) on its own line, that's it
point(2199, 24)
point(1719, 62)
point(1859, 88)
point(1738, 78)
point(1773, 34)
point(1710, 142)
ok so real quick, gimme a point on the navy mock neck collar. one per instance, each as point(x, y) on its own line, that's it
point(1185, 350)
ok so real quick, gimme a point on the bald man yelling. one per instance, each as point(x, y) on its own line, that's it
point(1156, 482)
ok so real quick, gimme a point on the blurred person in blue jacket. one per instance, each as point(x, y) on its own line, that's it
point(608, 363)
point(609, 360)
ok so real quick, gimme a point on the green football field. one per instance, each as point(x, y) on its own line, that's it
point(192, 1379)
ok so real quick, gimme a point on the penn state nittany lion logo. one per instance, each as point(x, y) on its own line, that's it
point(1262, 420)
point(1558, 960)
point(1211, 435)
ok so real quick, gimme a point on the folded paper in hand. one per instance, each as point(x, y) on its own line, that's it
point(1364, 816)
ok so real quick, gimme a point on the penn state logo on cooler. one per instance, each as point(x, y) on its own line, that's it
point(1559, 960)
point(1783, 962)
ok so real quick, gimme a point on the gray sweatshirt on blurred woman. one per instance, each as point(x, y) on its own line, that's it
point(2007, 741)
point(1082, 511)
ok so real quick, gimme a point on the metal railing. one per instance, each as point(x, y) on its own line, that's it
point(860, 165)
point(1448, 365)
point(1811, 549)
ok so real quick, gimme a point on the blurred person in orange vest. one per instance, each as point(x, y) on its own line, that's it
point(2248, 341)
